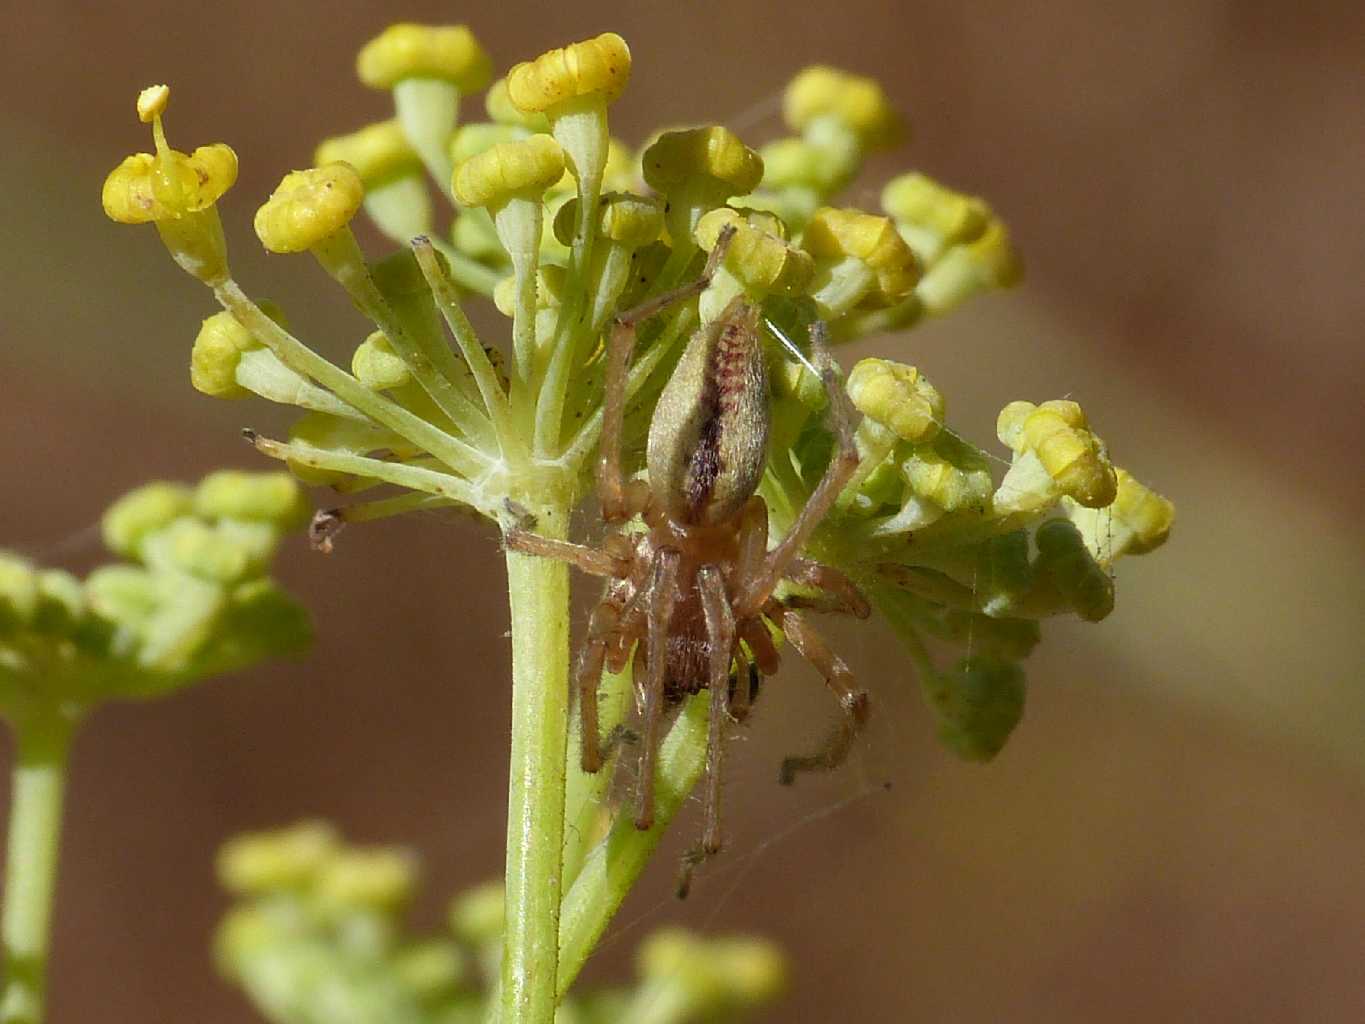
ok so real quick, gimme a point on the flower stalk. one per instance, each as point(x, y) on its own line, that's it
point(35, 825)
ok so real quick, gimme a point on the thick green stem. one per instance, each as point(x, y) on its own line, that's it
point(539, 590)
point(611, 869)
point(35, 824)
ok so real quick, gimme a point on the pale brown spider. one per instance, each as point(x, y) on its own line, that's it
point(700, 580)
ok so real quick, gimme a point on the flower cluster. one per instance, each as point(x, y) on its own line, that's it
point(192, 600)
point(563, 227)
point(317, 934)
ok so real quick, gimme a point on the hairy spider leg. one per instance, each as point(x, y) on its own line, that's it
point(663, 584)
point(603, 622)
point(618, 500)
point(837, 593)
point(720, 631)
point(841, 466)
point(839, 678)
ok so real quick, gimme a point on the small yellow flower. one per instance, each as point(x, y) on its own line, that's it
point(853, 100)
point(378, 153)
point(217, 350)
point(898, 397)
point(501, 110)
point(1053, 438)
point(712, 158)
point(932, 216)
point(1138, 521)
point(758, 255)
point(598, 66)
point(308, 207)
point(834, 235)
point(176, 191)
point(622, 217)
point(508, 169)
point(447, 52)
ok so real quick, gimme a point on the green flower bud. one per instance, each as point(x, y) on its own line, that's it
point(476, 915)
point(978, 702)
point(18, 593)
point(1079, 579)
point(430, 970)
point(273, 498)
point(377, 366)
point(141, 512)
point(61, 602)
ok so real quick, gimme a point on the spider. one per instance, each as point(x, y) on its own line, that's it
point(699, 582)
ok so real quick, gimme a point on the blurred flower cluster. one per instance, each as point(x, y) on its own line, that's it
point(317, 936)
point(193, 599)
point(564, 226)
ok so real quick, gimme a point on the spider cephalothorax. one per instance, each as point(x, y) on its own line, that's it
point(693, 594)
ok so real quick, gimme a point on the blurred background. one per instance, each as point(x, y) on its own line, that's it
point(1177, 830)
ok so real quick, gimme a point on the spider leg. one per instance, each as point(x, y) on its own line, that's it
point(615, 495)
point(583, 558)
point(603, 624)
point(663, 584)
point(839, 678)
point(837, 594)
point(841, 467)
point(720, 631)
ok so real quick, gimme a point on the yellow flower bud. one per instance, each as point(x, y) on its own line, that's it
point(796, 163)
point(988, 261)
point(600, 65)
point(623, 217)
point(760, 258)
point(855, 101)
point(492, 177)
point(219, 347)
point(1052, 438)
point(286, 859)
point(377, 366)
point(379, 153)
point(713, 157)
point(501, 110)
point(898, 397)
point(447, 52)
point(472, 139)
point(308, 207)
point(1146, 514)
point(933, 215)
point(948, 474)
point(377, 879)
point(838, 234)
point(1138, 521)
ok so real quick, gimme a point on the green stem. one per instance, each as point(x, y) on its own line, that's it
point(613, 867)
point(539, 591)
point(585, 799)
point(31, 867)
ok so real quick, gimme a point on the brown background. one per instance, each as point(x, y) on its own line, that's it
point(1178, 829)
